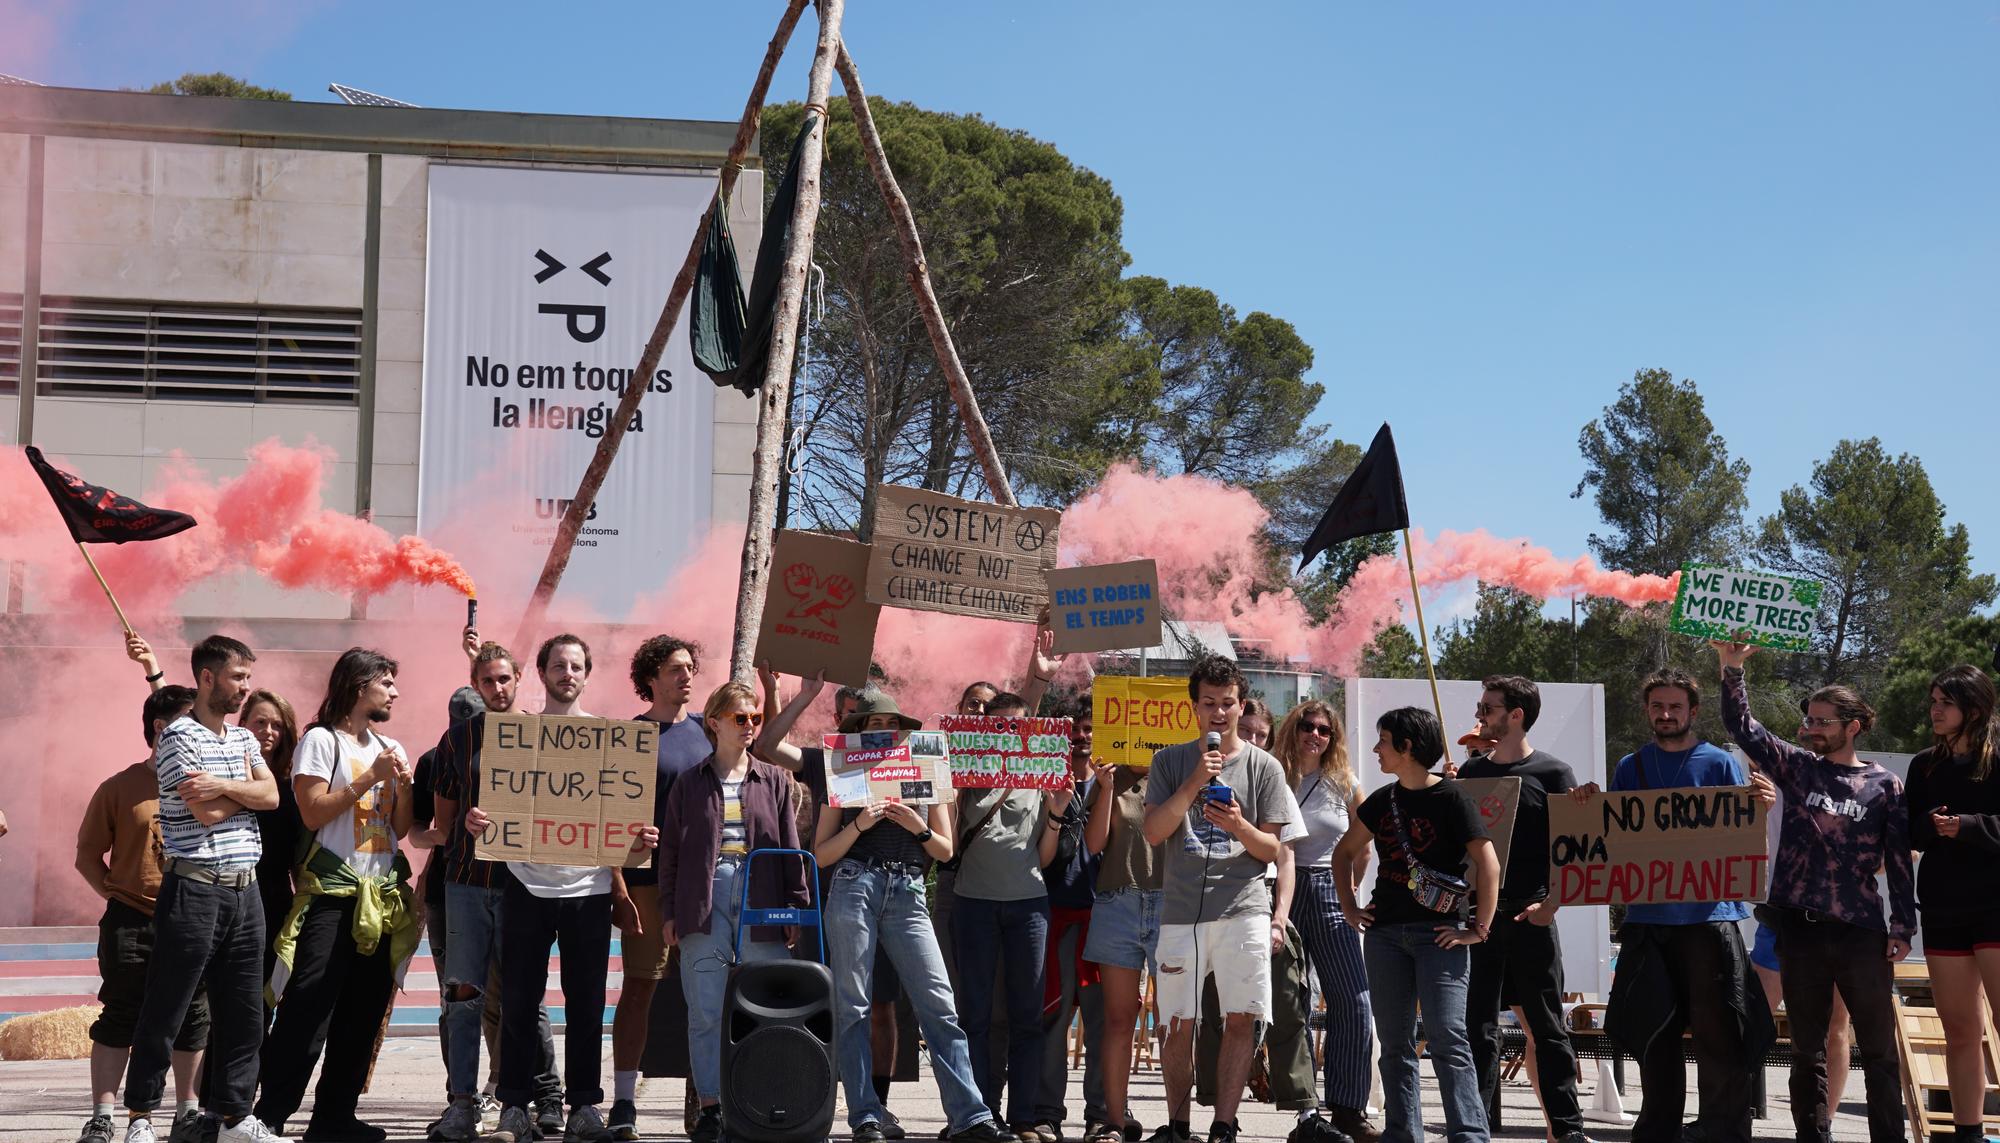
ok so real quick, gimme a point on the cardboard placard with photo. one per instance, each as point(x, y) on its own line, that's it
point(871, 766)
point(565, 789)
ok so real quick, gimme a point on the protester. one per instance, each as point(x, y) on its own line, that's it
point(1311, 745)
point(1681, 965)
point(1519, 964)
point(1839, 1032)
point(570, 907)
point(874, 910)
point(716, 817)
point(1425, 829)
point(475, 896)
point(353, 924)
point(123, 823)
point(429, 832)
point(1843, 820)
point(1001, 923)
point(1217, 914)
point(1072, 983)
point(1954, 805)
point(269, 716)
point(208, 922)
point(1124, 928)
point(663, 674)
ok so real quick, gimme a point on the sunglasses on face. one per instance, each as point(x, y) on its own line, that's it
point(1820, 723)
point(1319, 728)
point(748, 719)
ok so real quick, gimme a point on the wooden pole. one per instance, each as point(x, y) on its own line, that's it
point(649, 359)
point(774, 396)
point(1424, 633)
point(918, 271)
point(122, 621)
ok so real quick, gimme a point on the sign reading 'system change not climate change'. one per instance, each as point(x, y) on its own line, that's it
point(1651, 846)
point(933, 552)
point(565, 790)
point(1746, 606)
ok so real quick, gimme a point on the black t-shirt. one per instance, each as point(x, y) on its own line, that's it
point(886, 841)
point(423, 803)
point(1526, 878)
point(1441, 819)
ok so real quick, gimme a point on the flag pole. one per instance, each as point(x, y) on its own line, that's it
point(1423, 632)
point(124, 622)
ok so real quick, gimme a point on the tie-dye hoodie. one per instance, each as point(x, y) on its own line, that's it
point(1840, 824)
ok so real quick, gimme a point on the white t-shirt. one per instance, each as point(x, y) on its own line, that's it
point(363, 836)
point(561, 880)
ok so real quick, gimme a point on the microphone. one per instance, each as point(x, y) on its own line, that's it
point(1214, 740)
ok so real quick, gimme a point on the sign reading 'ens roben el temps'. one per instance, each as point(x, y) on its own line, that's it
point(542, 288)
point(933, 552)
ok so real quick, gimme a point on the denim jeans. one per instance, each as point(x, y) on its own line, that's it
point(1406, 967)
point(988, 934)
point(870, 909)
point(472, 948)
point(705, 962)
point(202, 933)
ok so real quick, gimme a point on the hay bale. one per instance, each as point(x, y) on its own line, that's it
point(63, 1034)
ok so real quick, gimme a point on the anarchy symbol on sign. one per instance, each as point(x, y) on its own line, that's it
point(1028, 537)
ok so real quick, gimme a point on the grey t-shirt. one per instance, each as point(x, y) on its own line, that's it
point(1004, 862)
point(1324, 804)
point(1209, 876)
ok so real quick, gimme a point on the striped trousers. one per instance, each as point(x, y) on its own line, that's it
point(1335, 949)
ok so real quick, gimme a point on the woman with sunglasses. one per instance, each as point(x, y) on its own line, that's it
point(1312, 747)
point(717, 815)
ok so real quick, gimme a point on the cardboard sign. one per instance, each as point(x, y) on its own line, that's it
point(1108, 607)
point(565, 790)
point(1133, 717)
point(872, 766)
point(814, 616)
point(1746, 607)
point(1499, 800)
point(1653, 846)
point(989, 752)
point(934, 552)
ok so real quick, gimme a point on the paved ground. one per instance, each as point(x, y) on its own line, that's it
point(46, 1101)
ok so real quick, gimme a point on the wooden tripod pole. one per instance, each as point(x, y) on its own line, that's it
point(773, 398)
point(649, 360)
point(918, 271)
point(122, 621)
point(1424, 633)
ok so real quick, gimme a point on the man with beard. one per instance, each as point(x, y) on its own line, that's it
point(208, 922)
point(1843, 820)
point(1695, 946)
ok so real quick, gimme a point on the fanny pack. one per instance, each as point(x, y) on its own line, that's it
point(1435, 890)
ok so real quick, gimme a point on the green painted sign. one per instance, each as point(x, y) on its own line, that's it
point(1757, 607)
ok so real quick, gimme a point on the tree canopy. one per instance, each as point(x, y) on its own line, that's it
point(217, 83)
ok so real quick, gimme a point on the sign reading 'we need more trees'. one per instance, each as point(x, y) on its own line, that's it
point(1746, 607)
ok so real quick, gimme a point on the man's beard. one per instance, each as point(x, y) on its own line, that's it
point(218, 705)
point(379, 714)
point(1677, 730)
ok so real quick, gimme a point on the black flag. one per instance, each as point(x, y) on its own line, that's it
point(97, 515)
point(1370, 502)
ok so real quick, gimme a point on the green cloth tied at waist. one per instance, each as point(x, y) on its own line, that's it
point(383, 906)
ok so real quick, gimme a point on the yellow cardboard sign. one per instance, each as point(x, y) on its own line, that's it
point(1133, 717)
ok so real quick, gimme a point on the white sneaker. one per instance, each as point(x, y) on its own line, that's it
point(489, 1112)
point(249, 1130)
point(140, 1130)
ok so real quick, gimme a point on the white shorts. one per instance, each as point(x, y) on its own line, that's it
point(1236, 951)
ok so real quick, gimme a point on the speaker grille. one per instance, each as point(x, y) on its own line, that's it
point(780, 1078)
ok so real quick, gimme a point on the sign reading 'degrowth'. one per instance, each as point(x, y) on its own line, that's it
point(990, 752)
point(565, 790)
point(934, 552)
point(1133, 717)
point(1746, 606)
point(870, 767)
point(1643, 847)
point(1108, 607)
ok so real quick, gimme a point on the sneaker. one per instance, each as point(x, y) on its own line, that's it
point(459, 1124)
point(1095, 1132)
point(248, 1129)
point(211, 1129)
point(1134, 1130)
point(1048, 1132)
point(341, 1129)
point(624, 1119)
point(515, 1127)
point(868, 1132)
point(892, 1128)
point(707, 1128)
point(187, 1127)
point(1314, 1129)
point(984, 1131)
point(489, 1112)
point(1354, 1123)
point(1576, 1137)
point(1167, 1134)
point(690, 1108)
point(549, 1116)
point(1223, 1131)
point(96, 1129)
point(140, 1130)
point(586, 1125)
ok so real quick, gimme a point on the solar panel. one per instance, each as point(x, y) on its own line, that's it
point(16, 81)
point(359, 98)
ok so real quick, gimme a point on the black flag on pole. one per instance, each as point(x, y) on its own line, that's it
point(97, 515)
point(1370, 502)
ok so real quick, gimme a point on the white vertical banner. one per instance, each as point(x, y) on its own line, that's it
point(542, 287)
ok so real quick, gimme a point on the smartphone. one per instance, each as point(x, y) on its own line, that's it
point(1218, 793)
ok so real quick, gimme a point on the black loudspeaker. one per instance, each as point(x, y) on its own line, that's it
point(778, 1073)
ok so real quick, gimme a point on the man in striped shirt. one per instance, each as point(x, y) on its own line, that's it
point(208, 922)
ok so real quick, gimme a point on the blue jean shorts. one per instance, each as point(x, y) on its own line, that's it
point(1125, 929)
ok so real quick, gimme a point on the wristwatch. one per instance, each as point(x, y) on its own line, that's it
point(925, 836)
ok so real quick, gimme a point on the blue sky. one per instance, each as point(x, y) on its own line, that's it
point(1482, 218)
